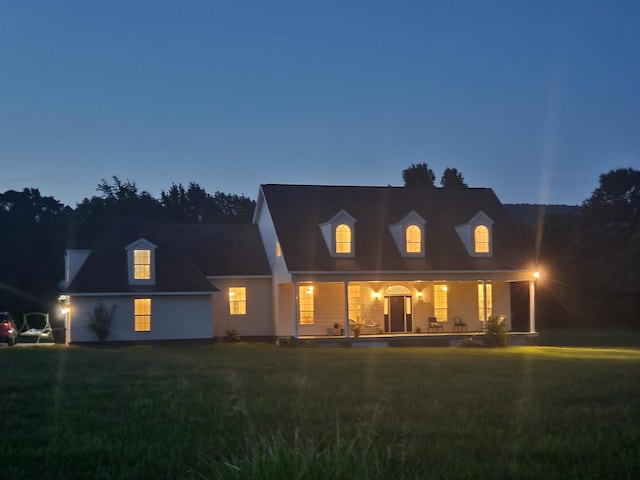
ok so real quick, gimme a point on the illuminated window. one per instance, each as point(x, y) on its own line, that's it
point(142, 264)
point(354, 302)
point(142, 314)
point(238, 300)
point(305, 304)
point(440, 303)
point(481, 301)
point(343, 239)
point(278, 250)
point(413, 237)
point(481, 239)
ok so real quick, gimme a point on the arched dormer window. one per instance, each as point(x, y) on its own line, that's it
point(409, 234)
point(339, 233)
point(481, 239)
point(413, 239)
point(343, 238)
point(477, 235)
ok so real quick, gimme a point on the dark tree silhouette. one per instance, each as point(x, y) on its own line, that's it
point(452, 178)
point(418, 175)
point(617, 198)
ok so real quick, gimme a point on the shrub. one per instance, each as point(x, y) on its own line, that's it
point(231, 335)
point(100, 320)
point(496, 335)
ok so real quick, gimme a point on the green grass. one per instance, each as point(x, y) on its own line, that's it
point(260, 412)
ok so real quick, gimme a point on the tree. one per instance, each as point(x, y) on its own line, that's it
point(452, 178)
point(33, 241)
point(185, 205)
point(617, 198)
point(196, 205)
point(419, 175)
point(119, 200)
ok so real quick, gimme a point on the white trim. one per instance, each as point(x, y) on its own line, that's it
point(138, 294)
point(233, 277)
point(395, 272)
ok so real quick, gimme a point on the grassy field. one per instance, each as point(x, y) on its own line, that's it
point(261, 412)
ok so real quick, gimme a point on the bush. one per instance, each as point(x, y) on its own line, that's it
point(496, 335)
point(231, 336)
point(100, 320)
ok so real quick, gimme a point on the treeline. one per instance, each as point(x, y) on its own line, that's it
point(590, 260)
point(35, 231)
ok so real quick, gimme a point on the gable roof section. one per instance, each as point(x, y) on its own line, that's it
point(297, 210)
point(186, 255)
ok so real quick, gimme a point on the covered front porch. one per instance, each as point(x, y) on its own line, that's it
point(394, 308)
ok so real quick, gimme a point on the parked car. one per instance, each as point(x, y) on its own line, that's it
point(8, 329)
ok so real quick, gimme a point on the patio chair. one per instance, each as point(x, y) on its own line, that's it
point(434, 325)
point(459, 325)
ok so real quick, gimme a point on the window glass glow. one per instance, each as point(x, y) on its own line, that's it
point(413, 236)
point(142, 264)
point(142, 314)
point(481, 239)
point(354, 302)
point(343, 239)
point(305, 304)
point(481, 301)
point(278, 250)
point(440, 302)
point(238, 300)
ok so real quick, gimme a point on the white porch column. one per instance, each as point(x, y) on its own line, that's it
point(346, 309)
point(532, 306)
point(296, 320)
point(486, 310)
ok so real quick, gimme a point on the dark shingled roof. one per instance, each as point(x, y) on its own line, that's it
point(298, 210)
point(186, 254)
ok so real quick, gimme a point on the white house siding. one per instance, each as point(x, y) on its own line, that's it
point(284, 310)
point(257, 322)
point(329, 306)
point(172, 318)
point(269, 239)
point(74, 259)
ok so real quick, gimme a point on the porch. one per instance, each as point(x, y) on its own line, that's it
point(397, 309)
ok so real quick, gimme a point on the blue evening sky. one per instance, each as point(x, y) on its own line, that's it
point(532, 98)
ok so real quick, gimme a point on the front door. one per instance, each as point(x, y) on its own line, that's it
point(396, 314)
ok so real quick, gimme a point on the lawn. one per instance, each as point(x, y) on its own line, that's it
point(252, 411)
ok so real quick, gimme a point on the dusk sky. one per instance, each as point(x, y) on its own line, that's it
point(533, 98)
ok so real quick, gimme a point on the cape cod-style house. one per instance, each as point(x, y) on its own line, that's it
point(316, 261)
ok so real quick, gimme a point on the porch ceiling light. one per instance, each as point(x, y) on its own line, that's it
point(536, 274)
point(444, 288)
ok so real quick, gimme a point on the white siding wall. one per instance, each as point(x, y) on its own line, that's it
point(269, 239)
point(258, 320)
point(172, 318)
point(74, 259)
point(284, 317)
point(329, 308)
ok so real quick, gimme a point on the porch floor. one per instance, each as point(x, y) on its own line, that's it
point(415, 339)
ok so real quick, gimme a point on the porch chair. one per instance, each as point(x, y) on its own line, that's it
point(434, 325)
point(459, 325)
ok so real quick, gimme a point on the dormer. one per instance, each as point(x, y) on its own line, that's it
point(141, 262)
point(477, 235)
point(339, 234)
point(409, 235)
